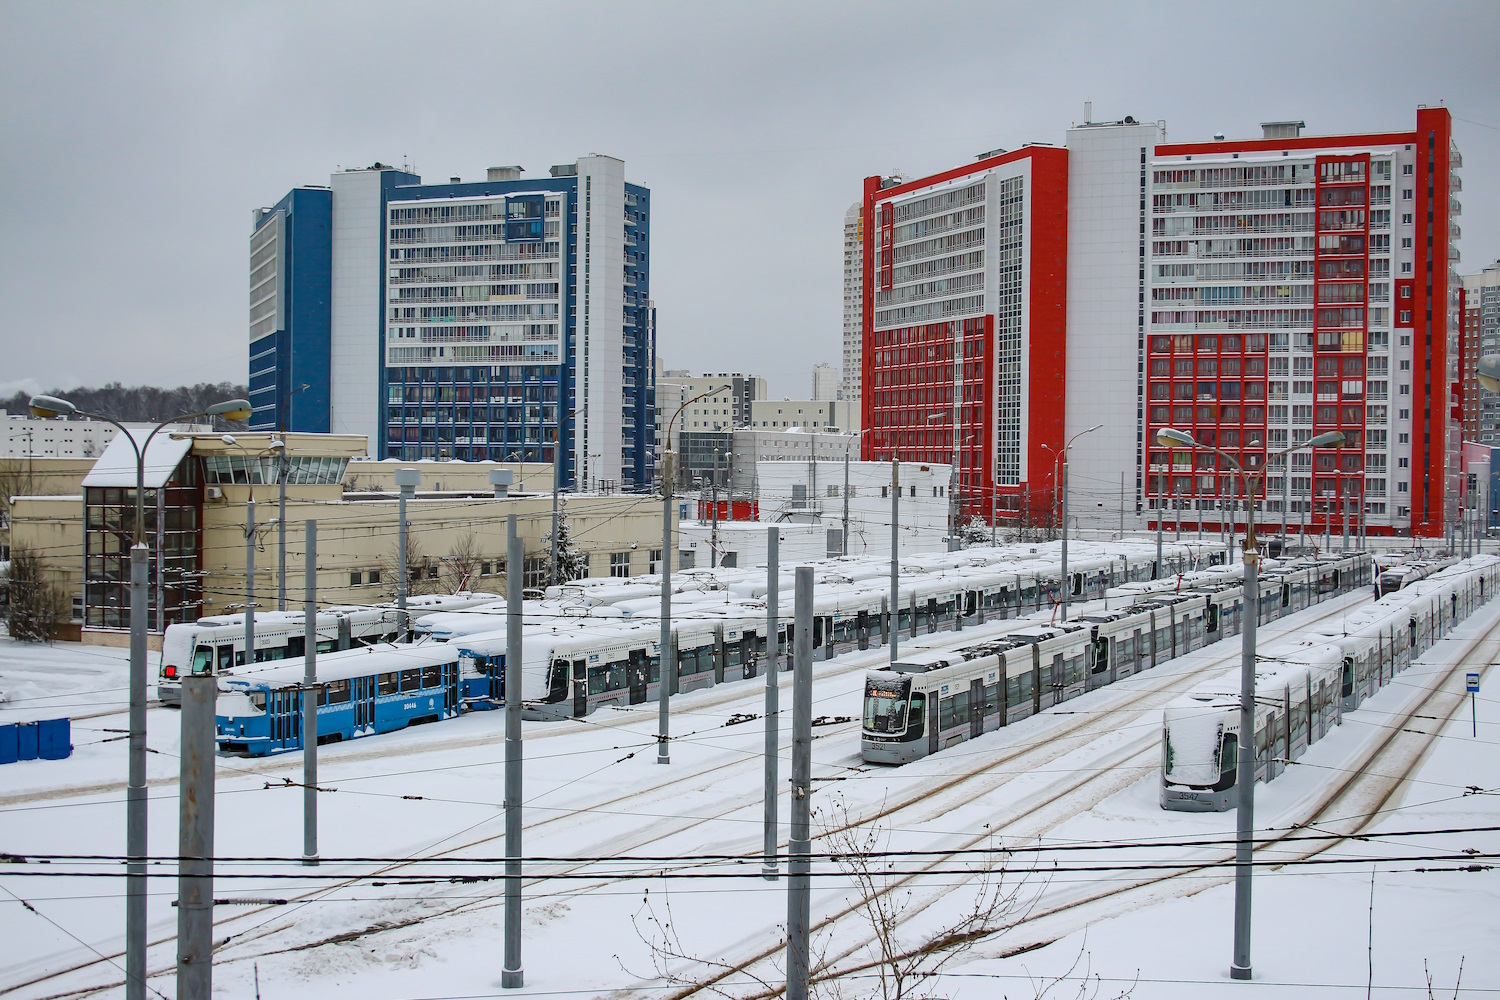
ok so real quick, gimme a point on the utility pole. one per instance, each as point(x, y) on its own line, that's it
point(281, 527)
point(512, 976)
point(250, 579)
point(799, 849)
point(310, 699)
point(663, 690)
point(713, 542)
point(770, 868)
point(195, 840)
point(1067, 584)
point(1161, 507)
point(895, 552)
point(1245, 770)
point(406, 482)
point(1122, 505)
point(844, 544)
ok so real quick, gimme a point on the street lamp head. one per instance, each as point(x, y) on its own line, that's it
point(1487, 371)
point(276, 445)
point(231, 409)
point(1169, 436)
point(1327, 439)
point(50, 406)
point(228, 439)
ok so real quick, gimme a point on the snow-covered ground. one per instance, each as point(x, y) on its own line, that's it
point(1082, 776)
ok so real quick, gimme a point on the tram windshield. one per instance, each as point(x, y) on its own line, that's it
point(885, 704)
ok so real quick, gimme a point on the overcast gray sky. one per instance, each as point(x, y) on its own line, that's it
point(136, 138)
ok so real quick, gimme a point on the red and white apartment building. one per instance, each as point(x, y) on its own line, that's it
point(1254, 293)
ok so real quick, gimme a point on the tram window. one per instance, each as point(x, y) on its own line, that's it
point(386, 684)
point(203, 660)
point(258, 700)
point(277, 653)
point(557, 681)
point(411, 679)
point(885, 712)
point(335, 692)
point(327, 646)
point(226, 656)
point(916, 716)
point(991, 699)
point(432, 676)
point(653, 669)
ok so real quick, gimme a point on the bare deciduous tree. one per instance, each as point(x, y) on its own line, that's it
point(461, 565)
point(37, 607)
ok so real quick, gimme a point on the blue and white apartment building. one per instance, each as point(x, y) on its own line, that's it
point(474, 321)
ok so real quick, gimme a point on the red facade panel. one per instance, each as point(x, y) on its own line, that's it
point(1430, 483)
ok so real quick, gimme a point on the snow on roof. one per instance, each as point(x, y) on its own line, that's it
point(117, 466)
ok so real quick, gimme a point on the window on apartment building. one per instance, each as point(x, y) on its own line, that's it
point(356, 578)
point(1406, 218)
point(1406, 168)
point(619, 564)
point(1406, 194)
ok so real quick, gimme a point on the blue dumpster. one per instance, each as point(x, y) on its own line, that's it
point(26, 740)
point(10, 750)
point(54, 739)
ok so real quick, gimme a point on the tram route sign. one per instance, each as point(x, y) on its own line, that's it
point(1471, 683)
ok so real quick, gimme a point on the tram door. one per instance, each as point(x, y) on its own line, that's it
point(749, 654)
point(636, 676)
point(1058, 678)
point(862, 629)
point(451, 703)
point(580, 688)
point(362, 693)
point(932, 615)
point(976, 707)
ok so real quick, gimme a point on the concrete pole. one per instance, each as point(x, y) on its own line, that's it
point(895, 553)
point(770, 867)
point(281, 530)
point(1067, 585)
point(195, 839)
point(663, 691)
point(250, 581)
point(310, 699)
point(135, 791)
point(1286, 492)
point(1122, 505)
point(1343, 516)
point(713, 537)
point(512, 976)
point(1161, 501)
point(556, 488)
point(799, 849)
point(844, 545)
point(406, 482)
point(1245, 773)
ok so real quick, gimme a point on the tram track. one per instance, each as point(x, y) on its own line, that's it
point(1358, 786)
point(1026, 757)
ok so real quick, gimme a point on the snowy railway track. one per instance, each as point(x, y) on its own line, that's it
point(922, 803)
point(1348, 806)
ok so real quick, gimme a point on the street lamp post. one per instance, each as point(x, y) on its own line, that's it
point(1245, 768)
point(844, 546)
point(135, 789)
point(663, 691)
point(1067, 584)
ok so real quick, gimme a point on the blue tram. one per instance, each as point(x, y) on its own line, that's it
point(360, 692)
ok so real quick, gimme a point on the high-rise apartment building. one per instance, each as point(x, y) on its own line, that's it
point(1253, 293)
point(825, 383)
point(965, 322)
point(854, 254)
point(479, 320)
point(1300, 285)
point(1481, 297)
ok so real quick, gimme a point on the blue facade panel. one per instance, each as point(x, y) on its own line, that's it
point(298, 354)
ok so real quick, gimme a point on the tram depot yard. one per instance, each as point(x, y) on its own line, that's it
point(1073, 790)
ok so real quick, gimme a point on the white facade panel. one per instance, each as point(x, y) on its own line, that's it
point(358, 273)
point(1106, 286)
point(601, 306)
